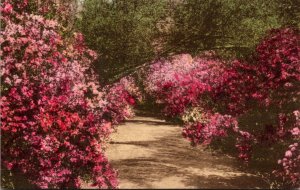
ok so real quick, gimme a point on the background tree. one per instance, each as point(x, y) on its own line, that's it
point(130, 33)
point(229, 26)
point(123, 32)
point(289, 12)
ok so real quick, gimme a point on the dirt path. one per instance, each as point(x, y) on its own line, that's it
point(151, 153)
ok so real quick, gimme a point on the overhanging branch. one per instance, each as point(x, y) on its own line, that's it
point(136, 68)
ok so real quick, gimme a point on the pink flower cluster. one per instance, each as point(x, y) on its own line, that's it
point(180, 83)
point(290, 165)
point(120, 99)
point(278, 57)
point(53, 111)
point(244, 145)
point(212, 126)
point(252, 92)
point(61, 10)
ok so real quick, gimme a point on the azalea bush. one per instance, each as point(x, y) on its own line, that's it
point(63, 10)
point(209, 127)
point(175, 83)
point(254, 101)
point(279, 71)
point(53, 111)
point(121, 97)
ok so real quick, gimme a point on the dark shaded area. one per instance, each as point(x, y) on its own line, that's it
point(150, 109)
point(14, 180)
point(137, 143)
point(150, 122)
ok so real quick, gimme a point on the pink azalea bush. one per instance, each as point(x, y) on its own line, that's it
point(180, 82)
point(255, 100)
point(61, 10)
point(53, 111)
point(290, 165)
point(121, 97)
point(210, 127)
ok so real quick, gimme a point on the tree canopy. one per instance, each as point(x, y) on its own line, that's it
point(122, 32)
point(126, 33)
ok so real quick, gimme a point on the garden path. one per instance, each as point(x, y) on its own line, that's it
point(151, 153)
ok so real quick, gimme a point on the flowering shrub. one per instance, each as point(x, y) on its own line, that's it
point(278, 58)
point(210, 127)
point(262, 95)
point(244, 145)
point(120, 98)
point(279, 71)
point(53, 125)
point(205, 81)
point(62, 10)
point(179, 83)
point(290, 165)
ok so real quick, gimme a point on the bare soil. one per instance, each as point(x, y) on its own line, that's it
point(151, 153)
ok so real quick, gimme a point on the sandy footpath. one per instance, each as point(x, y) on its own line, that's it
point(151, 153)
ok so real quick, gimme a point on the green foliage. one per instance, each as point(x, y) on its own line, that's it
point(289, 12)
point(129, 33)
point(122, 32)
point(231, 27)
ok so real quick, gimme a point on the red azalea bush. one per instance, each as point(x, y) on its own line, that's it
point(262, 95)
point(53, 123)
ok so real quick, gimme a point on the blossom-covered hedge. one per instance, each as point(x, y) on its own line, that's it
point(120, 98)
point(54, 120)
point(257, 101)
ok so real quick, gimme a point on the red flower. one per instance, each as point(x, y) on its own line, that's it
point(7, 8)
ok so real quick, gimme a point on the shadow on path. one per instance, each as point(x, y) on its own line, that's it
point(156, 156)
point(150, 122)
